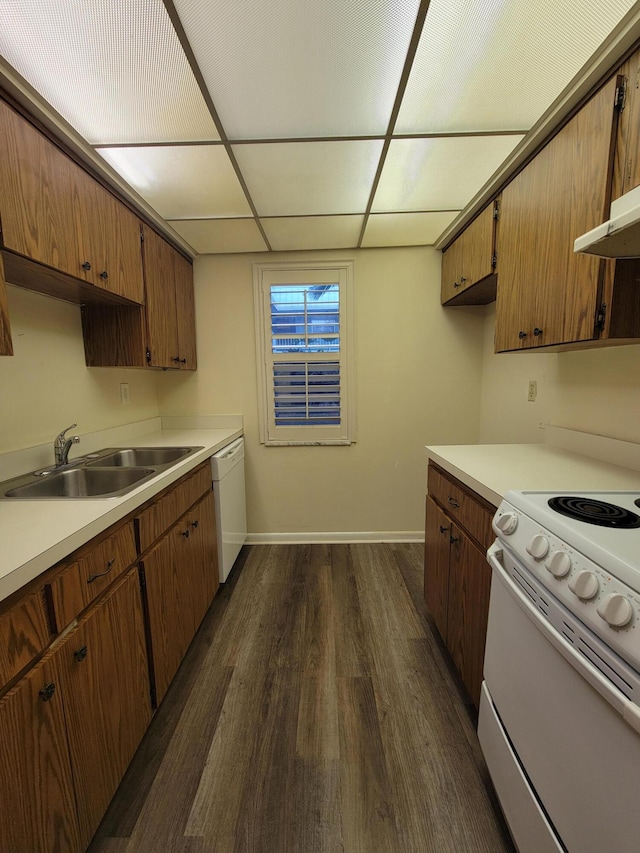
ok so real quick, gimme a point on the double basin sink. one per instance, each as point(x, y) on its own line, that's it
point(109, 473)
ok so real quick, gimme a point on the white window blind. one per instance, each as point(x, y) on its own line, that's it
point(302, 323)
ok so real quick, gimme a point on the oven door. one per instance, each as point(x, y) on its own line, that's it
point(552, 723)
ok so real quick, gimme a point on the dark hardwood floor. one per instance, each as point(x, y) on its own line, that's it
point(315, 712)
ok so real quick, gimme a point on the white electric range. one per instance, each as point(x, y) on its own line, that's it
point(559, 717)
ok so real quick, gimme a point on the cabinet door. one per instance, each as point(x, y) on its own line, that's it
point(35, 195)
point(169, 607)
point(203, 557)
point(160, 299)
point(627, 161)
point(451, 270)
point(185, 312)
point(106, 698)
point(123, 251)
point(436, 565)
point(469, 587)
point(547, 294)
point(478, 248)
point(36, 791)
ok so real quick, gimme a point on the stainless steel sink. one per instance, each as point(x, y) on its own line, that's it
point(132, 457)
point(79, 483)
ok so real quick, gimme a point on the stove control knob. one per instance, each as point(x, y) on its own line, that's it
point(559, 564)
point(507, 523)
point(585, 585)
point(615, 609)
point(538, 547)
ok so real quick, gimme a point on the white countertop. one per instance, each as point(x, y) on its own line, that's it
point(36, 534)
point(491, 470)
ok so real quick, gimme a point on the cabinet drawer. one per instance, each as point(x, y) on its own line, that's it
point(92, 572)
point(167, 509)
point(24, 633)
point(469, 510)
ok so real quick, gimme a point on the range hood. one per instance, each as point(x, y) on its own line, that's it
point(620, 236)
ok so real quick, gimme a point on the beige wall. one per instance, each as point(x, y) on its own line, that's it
point(46, 386)
point(418, 382)
point(595, 390)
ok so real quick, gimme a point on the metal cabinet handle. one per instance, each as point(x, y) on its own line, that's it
point(176, 359)
point(456, 284)
point(443, 529)
point(186, 533)
point(183, 361)
point(110, 565)
point(195, 523)
point(104, 275)
point(81, 653)
point(453, 502)
point(522, 334)
point(454, 539)
point(47, 691)
point(86, 266)
point(537, 332)
point(462, 279)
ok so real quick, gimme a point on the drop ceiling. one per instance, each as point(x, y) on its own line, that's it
point(282, 124)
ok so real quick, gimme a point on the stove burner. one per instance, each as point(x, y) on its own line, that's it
point(597, 512)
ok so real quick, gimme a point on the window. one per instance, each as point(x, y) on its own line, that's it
point(303, 317)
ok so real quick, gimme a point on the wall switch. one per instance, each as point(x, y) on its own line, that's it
point(533, 391)
point(124, 393)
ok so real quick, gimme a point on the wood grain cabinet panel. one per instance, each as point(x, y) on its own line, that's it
point(468, 269)
point(162, 328)
point(201, 521)
point(24, 633)
point(185, 312)
point(627, 157)
point(456, 573)
point(92, 572)
point(106, 691)
point(547, 294)
point(38, 810)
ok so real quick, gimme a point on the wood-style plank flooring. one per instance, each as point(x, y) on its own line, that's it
point(315, 712)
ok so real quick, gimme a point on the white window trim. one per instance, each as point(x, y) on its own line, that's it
point(345, 433)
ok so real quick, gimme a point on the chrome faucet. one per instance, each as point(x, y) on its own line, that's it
point(62, 446)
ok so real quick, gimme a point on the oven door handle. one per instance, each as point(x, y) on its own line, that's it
point(628, 710)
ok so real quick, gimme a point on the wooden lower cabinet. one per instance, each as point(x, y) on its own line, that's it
point(106, 695)
point(38, 809)
point(457, 577)
point(180, 579)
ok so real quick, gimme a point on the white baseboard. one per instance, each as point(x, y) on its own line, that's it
point(335, 537)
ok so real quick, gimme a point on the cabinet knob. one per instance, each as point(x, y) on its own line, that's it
point(452, 502)
point(186, 533)
point(81, 653)
point(110, 565)
point(104, 275)
point(195, 523)
point(462, 279)
point(443, 529)
point(456, 284)
point(522, 334)
point(47, 691)
point(537, 332)
point(176, 359)
point(454, 539)
point(183, 361)
point(86, 266)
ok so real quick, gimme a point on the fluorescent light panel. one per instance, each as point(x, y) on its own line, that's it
point(114, 70)
point(285, 68)
point(406, 229)
point(313, 232)
point(218, 236)
point(499, 64)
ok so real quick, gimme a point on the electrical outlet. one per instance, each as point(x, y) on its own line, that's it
point(124, 393)
point(533, 391)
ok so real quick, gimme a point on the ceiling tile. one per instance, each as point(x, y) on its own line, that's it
point(182, 182)
point(406, 229)
point(282, 68)
point(298, 178)
point(115, 71)
point(216, 236)
point(432, 174)
point(499, 64)
point(313, 232)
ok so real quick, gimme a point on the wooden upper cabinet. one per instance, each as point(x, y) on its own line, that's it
point(55, 214)
point(468, 265)
point(627, 160)
point(169, 304)
point(547, 294)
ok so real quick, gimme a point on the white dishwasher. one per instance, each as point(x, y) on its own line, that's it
point(227, 470)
